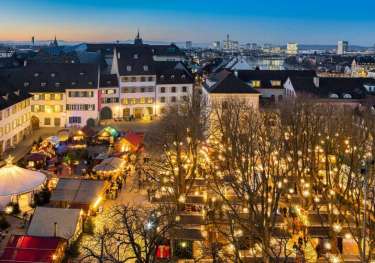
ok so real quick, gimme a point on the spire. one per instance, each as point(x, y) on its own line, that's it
point(55, 42)
point(138, 40)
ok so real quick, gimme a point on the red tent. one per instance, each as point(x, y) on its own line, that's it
point(30, 249)
point(134, 141)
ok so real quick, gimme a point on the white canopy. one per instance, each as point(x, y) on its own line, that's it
point(110, 165)
point(15, 180)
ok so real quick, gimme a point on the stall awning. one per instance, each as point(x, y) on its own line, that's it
point(15, 180)
point(112, 164)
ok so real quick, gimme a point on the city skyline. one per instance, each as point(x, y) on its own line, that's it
point(320, 23)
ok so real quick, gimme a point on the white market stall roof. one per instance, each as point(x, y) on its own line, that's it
point(79, 191)
point(15, 180)
point(110, 165)
point(44, 219)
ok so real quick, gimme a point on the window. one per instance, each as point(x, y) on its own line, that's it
point(82, 73)
point(143, 79)
point(75, 119)
point(134, 79)
point(184, 89)
point(184, 98)
point(90, 83)
point(275, 83)
point(162, 99)
point(43, 84)
point(135, 56)
point(26, 84)
point(150, 89)
point(53, 75)
point(142, 90)
point(57, 122)
point(110, 91)
point(183, 76)
point(145, 68)
point(124, 79)
point(150, 78)
point(36, 74)
point(47, 121)
point(173, 99)
point(162, 90)
point(347, 96)
point(128, 68)
point(255, 83)
point(74, 83)
point(173, 89)
point(172, 76)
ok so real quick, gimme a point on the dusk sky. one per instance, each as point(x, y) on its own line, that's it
point(202, 21)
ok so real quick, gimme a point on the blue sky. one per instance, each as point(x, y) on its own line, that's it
point(267, 21)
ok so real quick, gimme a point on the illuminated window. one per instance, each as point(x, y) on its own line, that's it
point(255, 84)
point(275, 83)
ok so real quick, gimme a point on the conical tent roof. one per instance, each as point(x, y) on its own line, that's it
point(15, 180)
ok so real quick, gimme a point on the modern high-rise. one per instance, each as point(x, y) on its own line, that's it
point(229, 44)
point(342, 47)
point(216, 45)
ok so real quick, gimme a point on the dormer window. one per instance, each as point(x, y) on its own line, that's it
point(347, 96)
point(57, 84)
point(108, 82)
point(145, 68)
point(82, 73)
point(26, 84)
point(162, 76)
point(333, 96)
point(36, 74)
point(135, 56)
point(172, 76)
point(53, 75)
point(183, 76)
point(43, 84)
point(90, 83)
point(74, 83)
point(128, 68)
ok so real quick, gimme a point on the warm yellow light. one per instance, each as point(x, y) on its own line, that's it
point(97, 202)
point(337, 227)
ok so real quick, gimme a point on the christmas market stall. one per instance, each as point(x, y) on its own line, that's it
point(131, 142)
point(31, 249)
point(79, 193)
point(112, 167)
point(108, 134)
point(59, 222)
point(18, 185)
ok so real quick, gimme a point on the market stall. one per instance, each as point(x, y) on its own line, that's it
point(18, 185)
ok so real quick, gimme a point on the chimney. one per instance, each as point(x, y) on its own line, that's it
point(316, 82)
point(55, 229)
